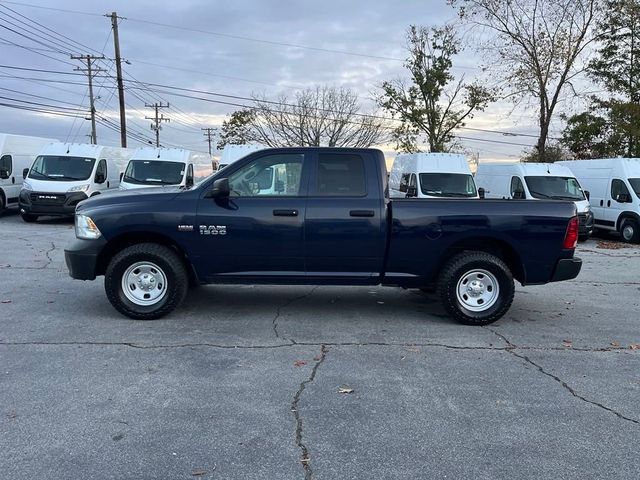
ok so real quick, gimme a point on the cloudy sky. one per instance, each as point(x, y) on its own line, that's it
point(219, 47)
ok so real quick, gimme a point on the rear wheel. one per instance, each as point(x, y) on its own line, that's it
point(28, 217)
point(2, 203)
point(630, 230)
point(146, 281)
point(476, 288)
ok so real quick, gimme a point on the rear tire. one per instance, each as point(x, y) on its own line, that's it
point(29, 218)
point(476, 288)
point(2, 204)
point(146, 281)
point(630, 230)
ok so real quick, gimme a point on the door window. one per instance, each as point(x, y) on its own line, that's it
point(618, 187)
point(101, 170)
point(273, 175)
point(6, 164)
point(341, 175)
point(517, 186)
point(404, 182)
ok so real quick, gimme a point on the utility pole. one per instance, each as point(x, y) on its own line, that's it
point(116, 44)
point(157, 120)
point(91, 71)
point(209, 132)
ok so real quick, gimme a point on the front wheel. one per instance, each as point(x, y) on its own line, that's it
point(476, 288)
point(630, 230)
point(146, 281)
point(29, 218)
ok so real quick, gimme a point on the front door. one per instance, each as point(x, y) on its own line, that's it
point(258, 232)
point(613, 207)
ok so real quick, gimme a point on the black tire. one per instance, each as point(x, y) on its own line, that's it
point(2, 204)
point(584, 237)
point(459, 268)
point(29, 218)
point(630, 230)
point(170, 265)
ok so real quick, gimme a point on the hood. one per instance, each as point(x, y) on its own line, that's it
point(53, 186)
point(117, 197)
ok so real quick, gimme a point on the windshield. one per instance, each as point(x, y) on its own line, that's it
point(635, 184)
point(61, 168)
point(154, 172)
point(447, 185)
point(555, 188)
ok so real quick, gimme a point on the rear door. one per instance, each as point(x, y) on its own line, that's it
point(344, 227)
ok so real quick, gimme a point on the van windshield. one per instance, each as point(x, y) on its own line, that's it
point(61, 168)
point(555, 188)
point(154, 172)
point(447, 185)
point(635, 184)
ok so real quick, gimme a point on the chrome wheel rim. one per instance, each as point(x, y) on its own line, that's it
point(478, 290)
point(627, 232)
point(144, 283)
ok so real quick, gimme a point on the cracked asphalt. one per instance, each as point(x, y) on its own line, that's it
point(243, 381)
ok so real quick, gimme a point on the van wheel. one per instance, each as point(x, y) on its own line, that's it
point(630, 230)
point(2, 204)
point(476, 288)
point(29, 218)
point(146, 281)
point(584, 237)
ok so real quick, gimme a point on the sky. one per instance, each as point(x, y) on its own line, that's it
point(227, 48)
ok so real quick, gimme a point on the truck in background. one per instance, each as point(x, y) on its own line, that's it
point(614, 187)
point(157, 167)
point(231, 153)
point(17, 152)
point(536, 181)
point(64, 174)
point(431, 175)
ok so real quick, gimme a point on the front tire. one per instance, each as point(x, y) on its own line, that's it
point(146, 281)
point(630, 230)
point(29, 218)
point(476, 288)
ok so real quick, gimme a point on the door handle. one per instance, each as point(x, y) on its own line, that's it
point(608, 203)
point(362, 213)
point(285, 213)
point(13, 180)
point(602, 203)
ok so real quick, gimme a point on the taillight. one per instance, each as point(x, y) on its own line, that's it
point(571, 237)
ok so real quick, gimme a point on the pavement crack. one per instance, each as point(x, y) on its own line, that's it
point(48, 255)
point(305, 460)
point(276, 317)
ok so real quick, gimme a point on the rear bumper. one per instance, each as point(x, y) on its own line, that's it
point(566, 269)
point(82, 258)
point(57, 204)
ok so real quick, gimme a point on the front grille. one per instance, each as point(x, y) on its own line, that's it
point(48, 198)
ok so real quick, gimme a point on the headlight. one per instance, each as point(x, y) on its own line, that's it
point(587, 209)
point(26, 185)
point(79, 188)
point(86, 228)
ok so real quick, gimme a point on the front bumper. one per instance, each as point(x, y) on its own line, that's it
point(44, 203)
point(82, 258)
point(585, 224)
point(566, 269)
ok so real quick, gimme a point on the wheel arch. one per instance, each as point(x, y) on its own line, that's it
point(624, 215)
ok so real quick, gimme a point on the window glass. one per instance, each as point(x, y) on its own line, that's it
point(102, 169)
point(618, 187)
point(404, 182)
point(635, 184)
point(154, 172)
point(341, 175)
point(516, 185)
point(556, 188)
point(269, 175)
point(6, 164)
point(447, 185)
point(62, 168)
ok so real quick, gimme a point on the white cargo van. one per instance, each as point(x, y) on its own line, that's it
point(614, 187)
point(431, 175)
point(17, 152)
point(157, 167)
point(231, 153)
point(536, 181)
point(64, 174)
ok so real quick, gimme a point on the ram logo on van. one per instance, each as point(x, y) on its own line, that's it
point(213, 229)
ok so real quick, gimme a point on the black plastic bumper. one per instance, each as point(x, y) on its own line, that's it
point(585, 224)
point(56, 204)
point(82, 258)
point(566, 269)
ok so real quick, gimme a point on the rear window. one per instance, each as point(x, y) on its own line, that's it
point(341, 175)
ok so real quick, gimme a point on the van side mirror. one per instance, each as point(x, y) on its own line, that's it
point(587, 194)
point(121, 175)
point(623, 198)
point(25, 172)
point(481, 192)
point(188, 182)
point(100, 178)
point(4, 174)
point(220, 188)
point(412, 191)
point(518, 195)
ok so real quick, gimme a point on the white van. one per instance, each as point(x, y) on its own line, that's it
point(536, 181)
point(231, 153)
point(17, 152)
point(431, 175)
point(157, 167)
point(614, 187)
point(64, 174)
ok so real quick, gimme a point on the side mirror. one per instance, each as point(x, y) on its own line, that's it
point(623, 198)
point(481, 192)
point(25, 172)
point(220, 188)
point(188, 182)
point(412, 191)
point(587, 194)
point(4, 174)
point(518, 195)
point(121, 175)
point(100, 178)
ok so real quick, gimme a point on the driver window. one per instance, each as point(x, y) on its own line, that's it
point(273, 175)
point(5, 164)
point(618, 187)
point(516, 186)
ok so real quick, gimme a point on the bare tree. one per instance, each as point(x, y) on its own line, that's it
point(321, 116)
point(537, 45)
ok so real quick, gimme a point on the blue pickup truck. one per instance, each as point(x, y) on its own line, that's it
point(318, 216)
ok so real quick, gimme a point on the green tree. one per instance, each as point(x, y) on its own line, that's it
point(588, 135)
point(236, 130)
point(431, 103)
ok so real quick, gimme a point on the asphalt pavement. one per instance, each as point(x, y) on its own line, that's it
point(271, 382)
